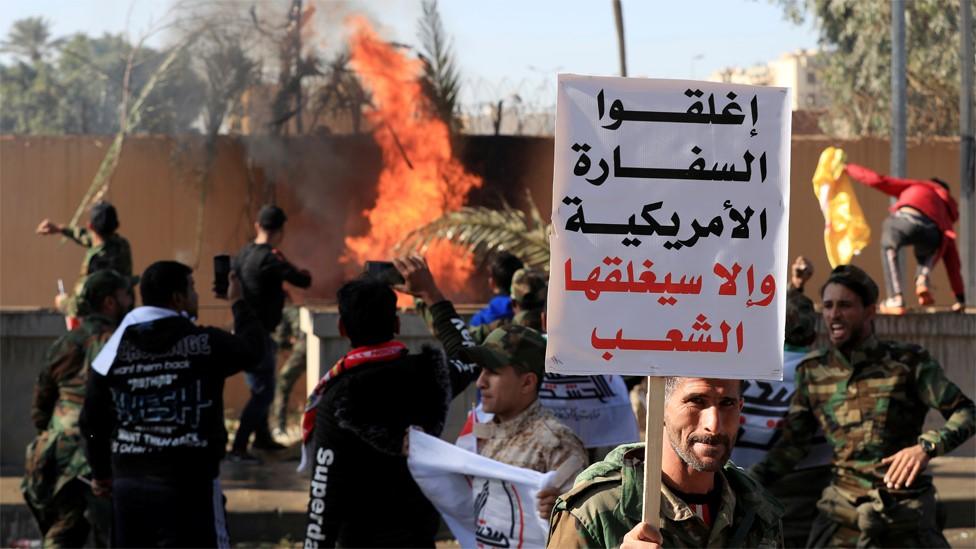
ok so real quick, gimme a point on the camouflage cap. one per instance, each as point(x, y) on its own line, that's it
point(97, 287)
point(520, 347)
point(855, 280)
point(529, 288)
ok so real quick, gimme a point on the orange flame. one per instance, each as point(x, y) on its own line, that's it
point(421, 179)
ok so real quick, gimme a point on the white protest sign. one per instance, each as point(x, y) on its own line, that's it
point(485, 503)
point(670, 224)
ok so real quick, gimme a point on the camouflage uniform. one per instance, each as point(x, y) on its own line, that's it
point(287, 331)
point(114, 253)
point(529, 287)
point(63, 505)
point(606, 503)
point(871, 407)
point(534, 439)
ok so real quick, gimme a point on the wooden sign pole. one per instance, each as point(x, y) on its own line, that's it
point(653, 437)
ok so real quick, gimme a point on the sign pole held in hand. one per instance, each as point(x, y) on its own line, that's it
point(654, 437)
point(670, 218)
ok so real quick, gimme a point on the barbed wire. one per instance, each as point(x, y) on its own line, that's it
point(527, 106)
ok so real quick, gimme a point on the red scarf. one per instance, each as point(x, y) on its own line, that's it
point(384, 352)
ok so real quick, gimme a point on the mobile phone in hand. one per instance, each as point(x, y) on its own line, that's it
point(221, 275)
point(384, 271)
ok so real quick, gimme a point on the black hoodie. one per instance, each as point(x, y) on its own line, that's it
point(263, 269)
point(159, 411)
point(362, 494)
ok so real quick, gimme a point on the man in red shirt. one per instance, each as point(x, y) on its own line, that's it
point(922, 216)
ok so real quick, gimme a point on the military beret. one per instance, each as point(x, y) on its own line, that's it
point(855, 280)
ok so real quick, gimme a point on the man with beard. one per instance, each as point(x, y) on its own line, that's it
point(705, 499)
point(870, 397)
point(55, 484)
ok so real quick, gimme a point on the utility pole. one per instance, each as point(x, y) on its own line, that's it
point(899, 116)
point(898, 112)
point(967, 152)
point(618, 15)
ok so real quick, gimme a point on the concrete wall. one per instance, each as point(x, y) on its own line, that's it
point(25, 337)
point(324, 184)
point(26, 334)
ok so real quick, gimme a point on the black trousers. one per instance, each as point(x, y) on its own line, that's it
point(168, 513)
point(906, 229)
point(254, 416)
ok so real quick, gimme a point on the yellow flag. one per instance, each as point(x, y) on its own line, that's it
point(846, 232)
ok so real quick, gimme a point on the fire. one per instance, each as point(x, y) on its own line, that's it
point(421, 179)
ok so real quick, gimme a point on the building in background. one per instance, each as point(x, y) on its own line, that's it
point(798, 70)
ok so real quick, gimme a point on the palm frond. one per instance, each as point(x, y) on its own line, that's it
point(484, 231)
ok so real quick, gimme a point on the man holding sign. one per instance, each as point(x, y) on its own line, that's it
point(671, 272)
point(705, 499)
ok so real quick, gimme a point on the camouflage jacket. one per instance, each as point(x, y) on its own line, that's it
point(534, 440)
point(56, 456)
point(114, 253)
point(606, 503)
point(449, 328)
point(870, 407)
point(288, 332)
point(531, 318)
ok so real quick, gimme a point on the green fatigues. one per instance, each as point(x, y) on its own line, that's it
point(606, 504)
point(870, 407)
point(294, 367)
point(64, 506)
point(114, 253)
point(531, 319)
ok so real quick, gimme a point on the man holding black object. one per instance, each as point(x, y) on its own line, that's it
point(356, 420)
point(263, 269)
point(153, 415)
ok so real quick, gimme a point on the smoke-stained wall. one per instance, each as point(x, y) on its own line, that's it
point(324, 183)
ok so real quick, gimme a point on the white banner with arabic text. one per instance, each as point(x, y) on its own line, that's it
point(485, 503)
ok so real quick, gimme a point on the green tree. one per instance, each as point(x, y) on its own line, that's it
point(29, 38)
point(486, 231)
point(30, 99)
point(441, 80)
point(86, 83)
point(856, 37)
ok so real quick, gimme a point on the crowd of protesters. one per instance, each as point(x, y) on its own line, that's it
point(129, 413)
